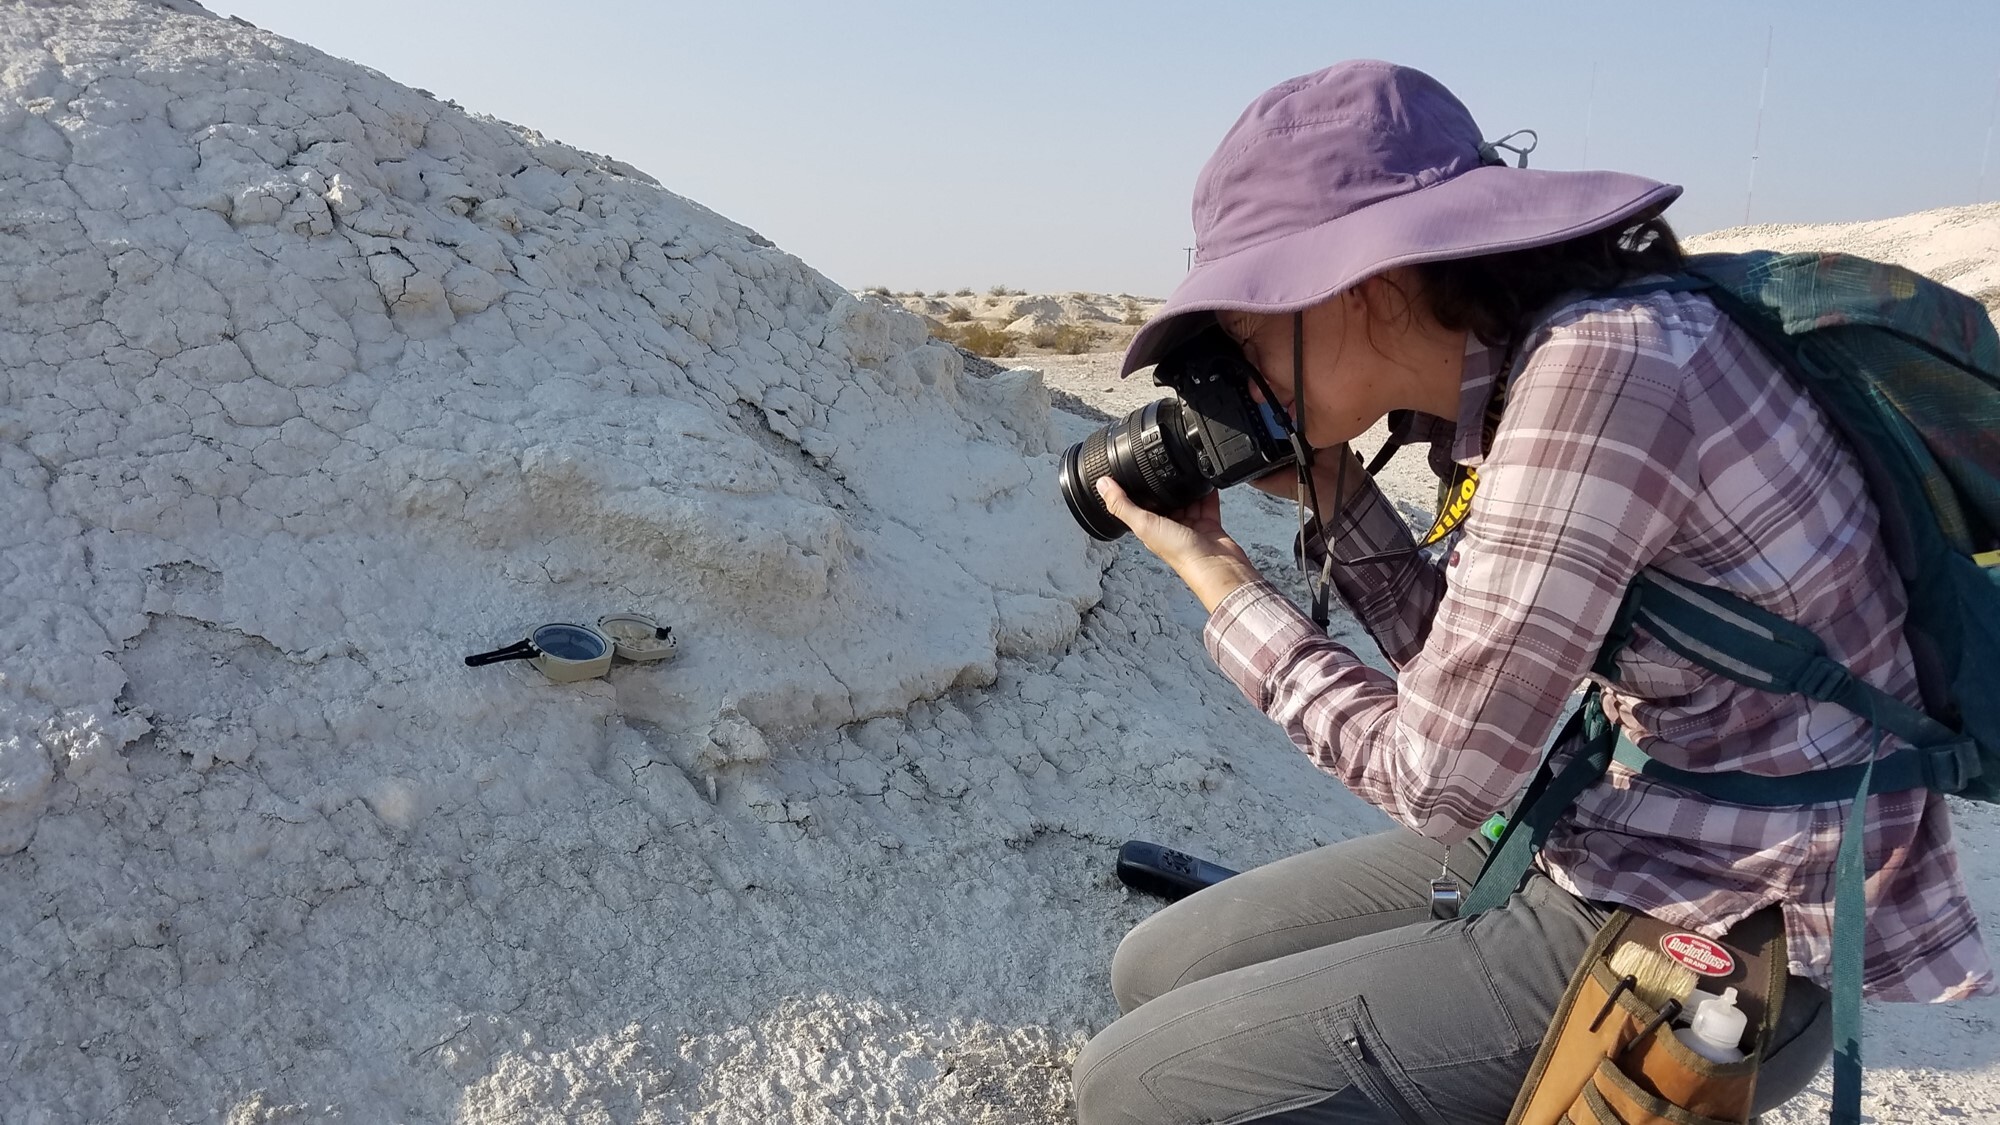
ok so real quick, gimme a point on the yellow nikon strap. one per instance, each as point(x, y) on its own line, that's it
point(1454, 504)
point(1455, 495)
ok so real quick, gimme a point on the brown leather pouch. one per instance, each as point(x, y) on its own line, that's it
point(1610, 1059)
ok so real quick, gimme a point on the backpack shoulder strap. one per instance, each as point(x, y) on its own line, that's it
point(1734, 638)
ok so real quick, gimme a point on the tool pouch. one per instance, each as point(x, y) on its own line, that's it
point(1608, 1059)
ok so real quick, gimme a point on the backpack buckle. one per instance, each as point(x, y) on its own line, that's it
point(1824, 679)
point(1951, 767)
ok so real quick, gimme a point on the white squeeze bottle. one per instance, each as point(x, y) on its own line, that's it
point(1716, 1031)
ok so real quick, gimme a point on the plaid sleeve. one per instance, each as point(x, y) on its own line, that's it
point(1591, 467)
point(1394, 599)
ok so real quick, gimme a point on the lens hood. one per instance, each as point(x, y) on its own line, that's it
point(1082, 465)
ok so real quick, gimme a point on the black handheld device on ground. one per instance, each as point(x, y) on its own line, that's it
point(1160, 870)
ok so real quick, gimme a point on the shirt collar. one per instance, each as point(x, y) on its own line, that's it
point(1482, 364)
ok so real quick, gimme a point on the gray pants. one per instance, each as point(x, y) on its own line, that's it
point(1317, 989)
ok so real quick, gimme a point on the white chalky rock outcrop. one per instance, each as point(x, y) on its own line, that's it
point(311, 385)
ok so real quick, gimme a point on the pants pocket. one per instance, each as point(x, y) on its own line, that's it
point(1370, 1066)
point(1287, 1064)
point(1250, 1074)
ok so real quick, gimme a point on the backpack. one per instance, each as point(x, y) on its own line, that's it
point(1907, 371)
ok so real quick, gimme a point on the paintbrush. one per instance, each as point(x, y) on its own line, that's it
point(1657, 978)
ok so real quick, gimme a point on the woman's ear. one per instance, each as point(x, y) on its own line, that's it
point(1390, 298)
point(1375, 303)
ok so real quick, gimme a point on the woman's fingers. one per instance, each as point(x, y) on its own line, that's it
point(1177, 537)
point(1179, 529)
point(1203, 517)
point(1118, 504)
point(1191, 541)
point(1165, 536)
point(1328, 475)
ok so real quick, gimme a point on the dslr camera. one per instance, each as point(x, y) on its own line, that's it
point(1170, 453)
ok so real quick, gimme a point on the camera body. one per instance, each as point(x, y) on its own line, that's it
point(1236, 437)
point(1170, 453)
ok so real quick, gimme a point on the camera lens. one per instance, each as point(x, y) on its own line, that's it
point(1150, 453)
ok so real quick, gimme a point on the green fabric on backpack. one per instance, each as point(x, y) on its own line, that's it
point(1926, 357)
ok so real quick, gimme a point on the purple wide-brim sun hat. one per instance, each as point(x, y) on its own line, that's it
point(1334, 177)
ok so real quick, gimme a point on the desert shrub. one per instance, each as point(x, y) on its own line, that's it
point(1135, 317)
point(963, 293)
point(986, 340)
point(879, 291)
point(1069, 339)
point(997, 291)
point(958, 313)
point(938, 293)
point(1074, 339)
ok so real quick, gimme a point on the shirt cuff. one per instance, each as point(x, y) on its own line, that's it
point(1253, 633)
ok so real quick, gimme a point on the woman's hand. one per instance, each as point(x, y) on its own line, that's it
point(1191, 541)
point(1326, 474)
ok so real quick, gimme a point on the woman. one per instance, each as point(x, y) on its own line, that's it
point(1371, 255)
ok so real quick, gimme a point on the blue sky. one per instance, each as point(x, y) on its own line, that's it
point(1053, 146)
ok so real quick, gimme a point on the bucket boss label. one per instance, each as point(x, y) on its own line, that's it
point(1698, 953)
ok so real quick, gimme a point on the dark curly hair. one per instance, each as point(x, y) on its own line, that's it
point(1495, 296)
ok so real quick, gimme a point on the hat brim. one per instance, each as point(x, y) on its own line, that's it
point(1488, 210)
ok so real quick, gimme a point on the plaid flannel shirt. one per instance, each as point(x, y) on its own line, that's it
point(1639, 432)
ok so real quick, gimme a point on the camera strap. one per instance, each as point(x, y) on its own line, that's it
point(1321, 590)
point(1293, 422)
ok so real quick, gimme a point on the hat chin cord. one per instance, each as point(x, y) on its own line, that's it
point(1293, 421)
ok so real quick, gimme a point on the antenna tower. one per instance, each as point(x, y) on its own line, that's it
point(1757, 142)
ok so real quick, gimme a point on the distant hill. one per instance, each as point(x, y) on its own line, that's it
point(1005, 322)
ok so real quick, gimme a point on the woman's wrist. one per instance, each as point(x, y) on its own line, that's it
point(1338, 476)
point(1218, 576)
